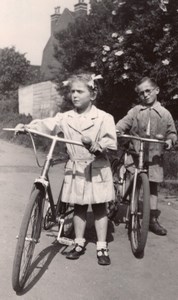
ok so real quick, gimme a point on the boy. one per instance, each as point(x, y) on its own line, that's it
point(147, 120)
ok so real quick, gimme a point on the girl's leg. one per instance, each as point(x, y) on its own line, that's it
point(101, 221)
point(155, 227)
point(80, 216)
point(101, 226)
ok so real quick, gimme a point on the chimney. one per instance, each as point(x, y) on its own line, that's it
point(55, 18)
point(80, 8)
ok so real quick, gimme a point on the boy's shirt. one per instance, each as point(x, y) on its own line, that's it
point(160, 121)
point(137, 119)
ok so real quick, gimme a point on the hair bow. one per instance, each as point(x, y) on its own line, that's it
point(94, 77)
point(65, 83)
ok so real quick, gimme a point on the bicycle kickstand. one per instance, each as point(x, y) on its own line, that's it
point(63, 240)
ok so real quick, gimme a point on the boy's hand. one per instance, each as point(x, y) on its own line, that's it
point(168, 144)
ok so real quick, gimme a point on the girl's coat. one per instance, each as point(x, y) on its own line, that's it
point(88, 178)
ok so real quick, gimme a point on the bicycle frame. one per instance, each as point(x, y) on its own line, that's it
point(132, 194)
point(43, 182)
point(138, 169)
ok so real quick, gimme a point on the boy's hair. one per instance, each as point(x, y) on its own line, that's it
point(144, 79)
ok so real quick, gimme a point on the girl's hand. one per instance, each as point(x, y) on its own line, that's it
point(95, 148)
point(20, 128)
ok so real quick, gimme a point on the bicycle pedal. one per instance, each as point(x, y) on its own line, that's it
point(65, 241)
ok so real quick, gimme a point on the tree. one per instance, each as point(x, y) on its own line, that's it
point(124, 41)
point(14, 70)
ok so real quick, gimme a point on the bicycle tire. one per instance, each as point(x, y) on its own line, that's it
point(30, 228)
point(112, 206)
point(139, 219)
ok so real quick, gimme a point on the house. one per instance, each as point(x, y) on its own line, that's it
point(59, 22)
point(42, 100)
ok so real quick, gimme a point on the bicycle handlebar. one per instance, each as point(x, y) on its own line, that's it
point(52, 137)
point(133, 137)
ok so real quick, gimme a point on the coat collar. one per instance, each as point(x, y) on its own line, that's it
point(73, 119)
point(156, 107)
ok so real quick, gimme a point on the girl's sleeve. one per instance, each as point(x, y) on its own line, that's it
point(107, 137)
point(49, 125)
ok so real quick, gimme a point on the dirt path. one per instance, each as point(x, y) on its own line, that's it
point(152, 278)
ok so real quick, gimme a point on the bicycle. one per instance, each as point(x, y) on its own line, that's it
point(34, 219)
point(133, 192)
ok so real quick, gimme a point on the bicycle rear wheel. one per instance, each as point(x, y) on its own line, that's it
point(139, 218)
point(29, 235)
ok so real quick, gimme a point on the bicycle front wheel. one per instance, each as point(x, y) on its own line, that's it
point(29, 235)
point(112, 206)
point(140, 216)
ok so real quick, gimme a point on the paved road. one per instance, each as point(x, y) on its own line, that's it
point(153, 277)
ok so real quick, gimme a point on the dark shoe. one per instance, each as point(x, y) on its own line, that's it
point(156, 228)
point(76, 252)
point(103, 257)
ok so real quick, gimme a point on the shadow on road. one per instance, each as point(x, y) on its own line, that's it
point(45, 257)
point(40, 265)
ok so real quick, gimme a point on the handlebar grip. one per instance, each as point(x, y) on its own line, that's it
point(87, 142)
point(19, 131)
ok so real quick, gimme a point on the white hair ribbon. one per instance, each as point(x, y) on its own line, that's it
point(94, 77)
point(65, 83)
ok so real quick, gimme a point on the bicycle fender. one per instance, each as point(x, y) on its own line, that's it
point(41, 183)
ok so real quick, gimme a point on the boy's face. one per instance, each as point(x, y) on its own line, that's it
point(81, 96)
point(148, 93)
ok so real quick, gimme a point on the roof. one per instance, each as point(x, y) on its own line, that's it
point(48, 60)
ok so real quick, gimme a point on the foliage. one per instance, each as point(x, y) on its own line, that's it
point(124, 41)
point(9, 102)
point(13, 69)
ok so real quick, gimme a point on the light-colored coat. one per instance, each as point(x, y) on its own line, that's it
point(88, 178)
point(161, 122)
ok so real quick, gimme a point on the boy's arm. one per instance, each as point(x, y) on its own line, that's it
point(171, 130)
point(126, 122)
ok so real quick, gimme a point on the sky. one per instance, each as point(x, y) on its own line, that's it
point(25, 24)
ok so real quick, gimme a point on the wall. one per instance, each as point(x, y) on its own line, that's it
point(40, 100)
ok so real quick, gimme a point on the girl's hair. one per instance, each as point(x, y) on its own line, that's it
point(144, 79)
point(91, 80)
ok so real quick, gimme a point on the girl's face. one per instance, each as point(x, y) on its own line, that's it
point(81, 96)
point(148, 93)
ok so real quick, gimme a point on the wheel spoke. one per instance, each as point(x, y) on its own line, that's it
point(140, 217)
point(28, 238)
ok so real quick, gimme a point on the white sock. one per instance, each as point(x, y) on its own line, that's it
point(101, 245)
point(80, 241)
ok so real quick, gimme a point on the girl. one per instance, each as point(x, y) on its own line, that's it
point(88, 177)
